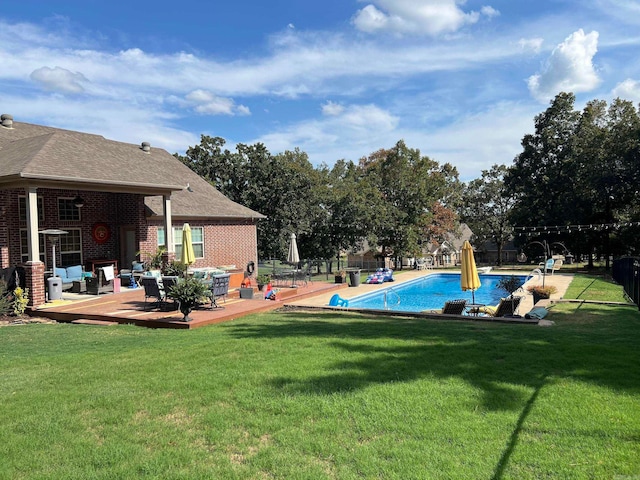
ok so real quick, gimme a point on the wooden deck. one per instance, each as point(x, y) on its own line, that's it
point(128, 307)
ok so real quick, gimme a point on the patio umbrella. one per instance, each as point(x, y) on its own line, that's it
point(188, 256)
point(293, 257)
point(469, 279)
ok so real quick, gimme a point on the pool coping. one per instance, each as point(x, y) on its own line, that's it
point(321, 302)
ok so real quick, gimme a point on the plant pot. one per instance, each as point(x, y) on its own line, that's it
point(185, 310)
point(537, 297)
point(339, 279)
point(260, 286)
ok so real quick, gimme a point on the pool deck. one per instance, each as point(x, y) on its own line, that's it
point(559, 280)
point(128, 306)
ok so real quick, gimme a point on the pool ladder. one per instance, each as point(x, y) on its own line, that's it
point(386, 298)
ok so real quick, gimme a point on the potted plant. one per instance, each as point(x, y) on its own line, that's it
point(540, 292)
point(188, 292)
point(175, 269)
point(154, 260)
point(510, 284)
point(341, 277)
point(262, 280)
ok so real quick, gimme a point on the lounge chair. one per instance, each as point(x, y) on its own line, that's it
point(219, 289)
point(507, 307)
point(454, 307)
point(152, 289)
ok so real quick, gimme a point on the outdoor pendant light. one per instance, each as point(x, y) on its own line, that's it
point(78, 201)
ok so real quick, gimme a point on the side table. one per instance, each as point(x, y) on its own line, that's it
point(474, 308)
point(79, 286)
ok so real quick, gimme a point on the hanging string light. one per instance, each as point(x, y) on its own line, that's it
point(526, 230)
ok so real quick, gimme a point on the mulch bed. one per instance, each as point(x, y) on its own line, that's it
point(11, 320)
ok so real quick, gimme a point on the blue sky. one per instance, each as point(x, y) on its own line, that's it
point(459, 80)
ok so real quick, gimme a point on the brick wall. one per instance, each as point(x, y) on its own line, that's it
point(225, 242)
point(100, 207)
point(4, 231)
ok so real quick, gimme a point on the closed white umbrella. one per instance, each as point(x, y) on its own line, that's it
point(293, 256)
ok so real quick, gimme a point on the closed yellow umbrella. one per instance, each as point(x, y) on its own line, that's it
point(187, 256)
point(469, 279)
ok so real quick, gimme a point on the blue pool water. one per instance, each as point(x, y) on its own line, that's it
point(430, 293)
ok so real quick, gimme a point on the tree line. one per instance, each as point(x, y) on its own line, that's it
point(576, 168)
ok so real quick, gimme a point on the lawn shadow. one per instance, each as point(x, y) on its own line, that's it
point(498, 359)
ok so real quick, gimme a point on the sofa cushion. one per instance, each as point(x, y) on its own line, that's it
point(74, 272)
point(60, 272)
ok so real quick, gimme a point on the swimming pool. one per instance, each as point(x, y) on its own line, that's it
point(430, 293)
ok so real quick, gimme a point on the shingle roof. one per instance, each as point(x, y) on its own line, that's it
point(32, 153)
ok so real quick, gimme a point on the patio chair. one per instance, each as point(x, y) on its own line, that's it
point(546, 266)
point(167, 283)
point(454, 307)
point(152, 289)
point(99, 284)
point(219, 289)
point(506, 308)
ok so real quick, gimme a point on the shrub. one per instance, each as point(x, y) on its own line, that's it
point(175, 268)
point(13, 302)
point(6, 300)
point(20, 300)
point(510, 284)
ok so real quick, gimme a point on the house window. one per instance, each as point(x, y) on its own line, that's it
point(197, 239)
point(71, 248)
point(67, 211)
point(24, 246)
point(22, 209)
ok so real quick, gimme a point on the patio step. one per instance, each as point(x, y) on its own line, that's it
point(87, 321)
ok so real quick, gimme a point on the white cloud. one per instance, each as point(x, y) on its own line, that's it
point(628, 90)
point(332, 109)
point(430, 17)
point(123, 122)
point(355, 127)
point(489, 11)
point(534, 44)
point(59, 80)
point(569, 68)
point(207, 103)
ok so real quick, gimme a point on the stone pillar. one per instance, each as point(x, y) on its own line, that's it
point(34, 273)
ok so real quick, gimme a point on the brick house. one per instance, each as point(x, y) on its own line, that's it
point(116, 201)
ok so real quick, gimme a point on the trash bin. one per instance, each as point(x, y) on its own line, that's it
point(55, 288)
point(354, 278)
point(569, 259)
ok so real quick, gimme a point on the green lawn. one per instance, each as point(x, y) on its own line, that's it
point(323, 395)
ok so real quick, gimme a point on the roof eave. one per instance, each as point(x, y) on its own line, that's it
point(50, 181)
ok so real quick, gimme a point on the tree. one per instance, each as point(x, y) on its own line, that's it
point(544, 166)
point(281, 187)
point(581, 168)
point(411, 189)
point(487, 206)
